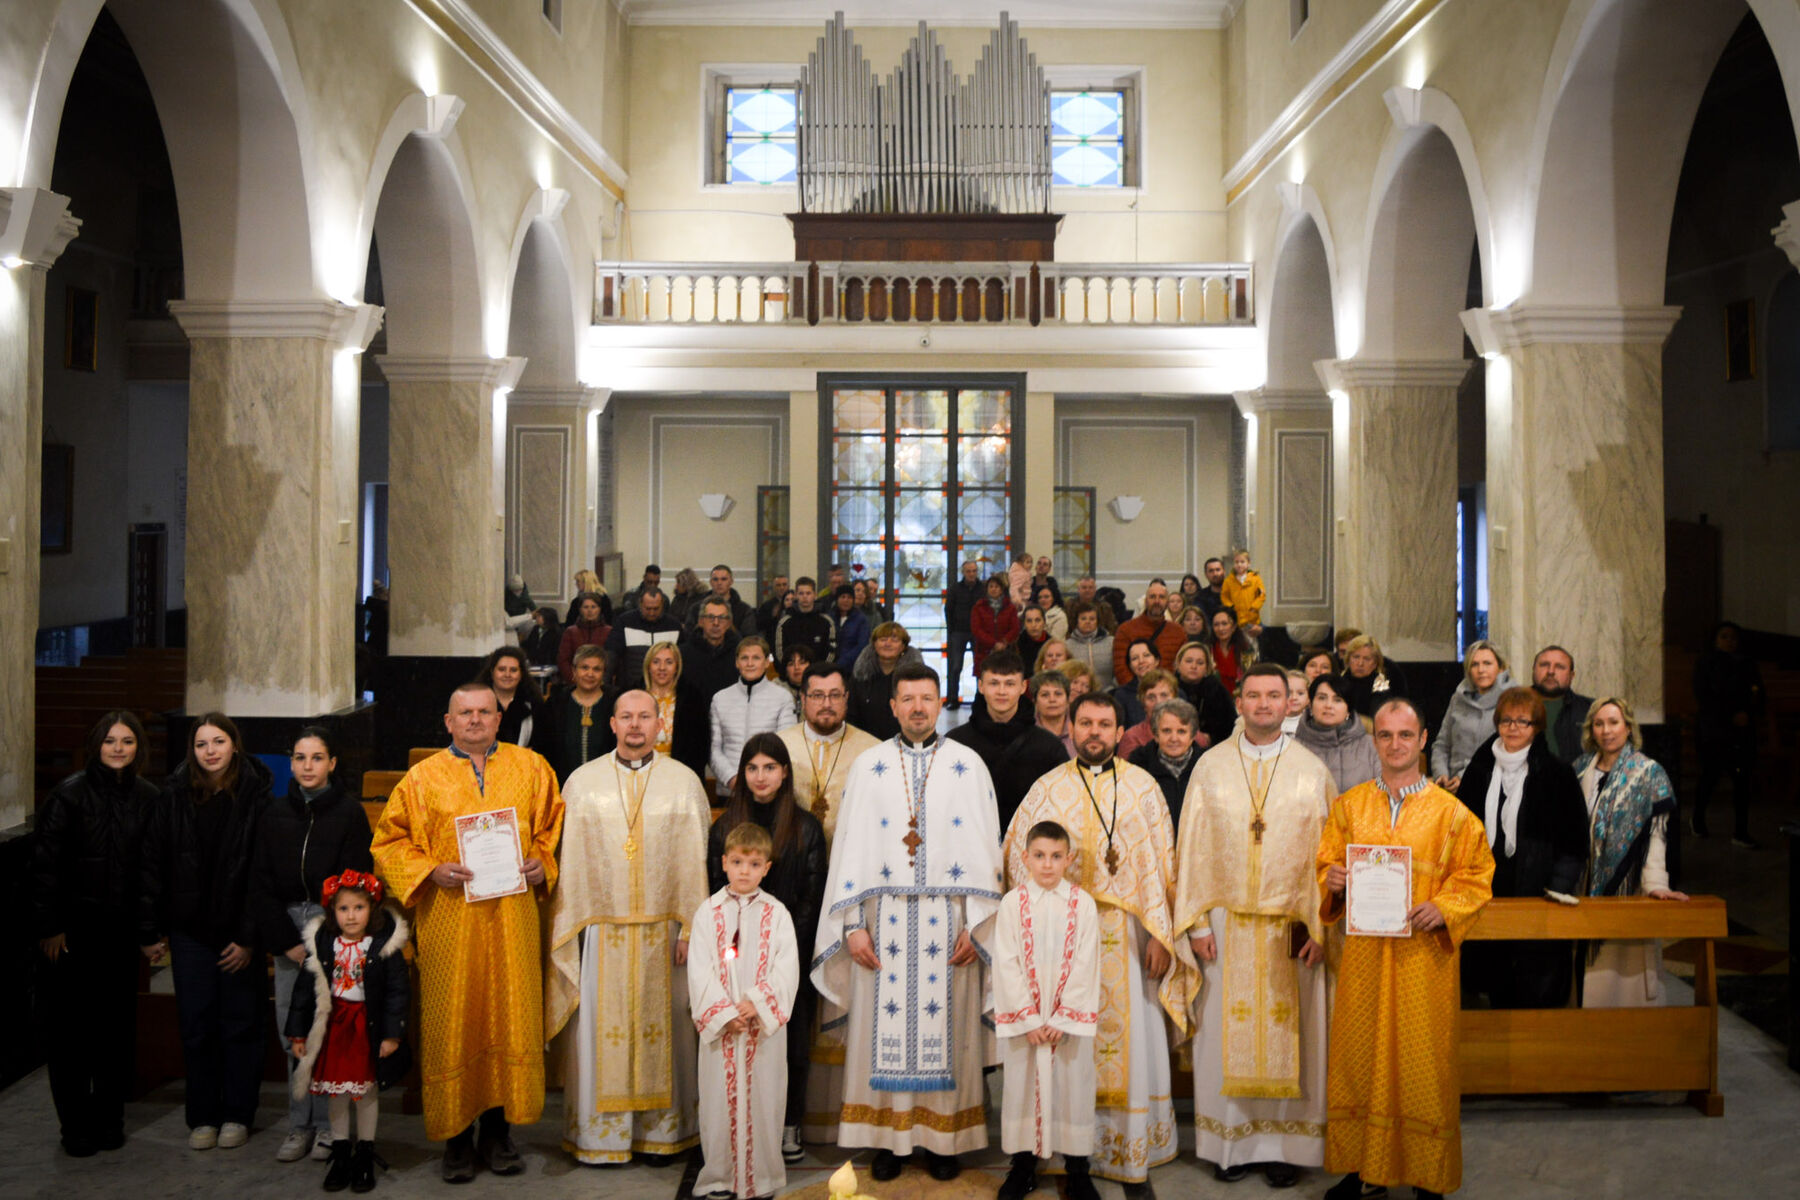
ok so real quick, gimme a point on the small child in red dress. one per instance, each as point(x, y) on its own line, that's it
point(347, 1021)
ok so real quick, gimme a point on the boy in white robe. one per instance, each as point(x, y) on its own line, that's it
point(1046, 974)
point(743, 970)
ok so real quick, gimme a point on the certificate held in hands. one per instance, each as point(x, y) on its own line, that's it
point(1377, 890)
point(489, 842)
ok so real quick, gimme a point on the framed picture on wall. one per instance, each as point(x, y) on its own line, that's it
point(1740, 341)
point(81, 330)
point(56, 529)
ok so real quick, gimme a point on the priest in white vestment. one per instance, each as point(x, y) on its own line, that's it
point(616, 993)
point(910, 902)
point(743, 967)
point(1124, 856)
point(1248, 902)
point(822, 746)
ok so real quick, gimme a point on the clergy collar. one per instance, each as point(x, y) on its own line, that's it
point(1095, 768)
point(629, 765)
point(921, 747)
point(1257, 753)
point(488, 753)
point(813, 735)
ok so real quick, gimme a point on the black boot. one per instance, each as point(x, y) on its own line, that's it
point(1350, 1187)
point(459, 1157)
point(1079, 1184)
point(1021, 1181)
point(337, 1175)
point(362, 1167)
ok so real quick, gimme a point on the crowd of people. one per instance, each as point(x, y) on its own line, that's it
point(1137, 839)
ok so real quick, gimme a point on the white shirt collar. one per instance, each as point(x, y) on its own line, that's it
point(1260, 753)
point(813, 735)
point(1036, 892)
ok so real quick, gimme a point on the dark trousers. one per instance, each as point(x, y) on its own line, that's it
point(799, 1051)
point(961, 642)
point(91, 991)
point(1726, 752)
point(223, 1017)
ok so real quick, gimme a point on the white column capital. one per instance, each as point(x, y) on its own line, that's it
point(574, 395)
point(443, 368)
point(1266, 399)
point(1787, 234)
point(345, 326)
point(1342, 374)
point(35, 227)
point(1502, 330)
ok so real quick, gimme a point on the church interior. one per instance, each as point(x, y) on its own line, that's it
point(1465, 318)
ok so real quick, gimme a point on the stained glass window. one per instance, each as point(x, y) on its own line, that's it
point(1087, 138)
point(761, 128)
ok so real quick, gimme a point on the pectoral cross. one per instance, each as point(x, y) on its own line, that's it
point(631, 849)
point(912, 841)
point(1257, 826)
point(1112, 858)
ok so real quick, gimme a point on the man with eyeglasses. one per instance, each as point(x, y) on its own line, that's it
point(822, 747)
point(740, 616)
point(709, 651)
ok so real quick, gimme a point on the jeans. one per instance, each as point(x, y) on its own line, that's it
point(223, 1024)
point(308, 1112)
point(961, 642)
point(92, 1051)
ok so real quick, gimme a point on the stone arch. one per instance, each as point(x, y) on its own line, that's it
point(543, 323)
point(1302, 318)
point(1421, 227)
point(419, 207)
point(233, 113)
point(1620, 94)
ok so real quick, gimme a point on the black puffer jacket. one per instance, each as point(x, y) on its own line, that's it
point(797, 879)
point(205, 897)
point(299, 845)
point(1017, 754)
point(387, 992)
point(85, 866)
point(872, 693)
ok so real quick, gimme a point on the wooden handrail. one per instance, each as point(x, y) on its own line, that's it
point(1598, 918)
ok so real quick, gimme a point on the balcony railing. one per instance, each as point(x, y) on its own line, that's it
point(886, 293)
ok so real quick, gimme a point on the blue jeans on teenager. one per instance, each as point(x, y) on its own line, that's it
point(222, 1018)
point(308, 1112)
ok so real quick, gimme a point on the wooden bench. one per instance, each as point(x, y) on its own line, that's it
point(1513, 1051)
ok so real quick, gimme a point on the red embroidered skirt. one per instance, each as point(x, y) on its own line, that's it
point(345, 1066)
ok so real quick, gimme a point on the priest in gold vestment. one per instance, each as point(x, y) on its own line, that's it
point(1247, 902)
point(1394, 1094)
point(616, 996)
point(481, 1043)
point(1124, 856)
point(822, 746)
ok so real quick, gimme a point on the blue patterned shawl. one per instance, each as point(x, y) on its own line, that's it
point(1636, 791)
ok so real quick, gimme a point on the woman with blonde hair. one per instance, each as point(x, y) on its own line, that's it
point(1369, 679)
point(1469, 721)
point(1082, 678)
point(1629, 803)
point(684, 715)
point(586, 581)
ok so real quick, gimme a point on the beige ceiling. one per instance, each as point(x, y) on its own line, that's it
point(1107, 14)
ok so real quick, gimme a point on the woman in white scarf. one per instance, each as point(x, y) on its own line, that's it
point(1536, 821)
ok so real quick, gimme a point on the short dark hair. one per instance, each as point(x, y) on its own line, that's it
point(822, 670)
point(653, 569)
point(806, 581)
point(915, 671)
point(1214, 559)
point(1049, 830)
point(322, 734)
point(1566, 654)
point(1269, 669)
point(721, 567)
point(1092, 699)
point(802, 652)
point(1003, 662)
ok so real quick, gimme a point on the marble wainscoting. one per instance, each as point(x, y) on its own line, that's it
point(1575, 490)
point(445, 512)
point(1289, 486)
point(35, 226)
point(272, 504)
point(1395, 562)
point(552, 486)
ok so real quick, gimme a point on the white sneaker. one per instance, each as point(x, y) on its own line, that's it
point(791, 1152)
point(203, 1137)
point(295, 1145)
point(322, 1145)
point(232, 1135)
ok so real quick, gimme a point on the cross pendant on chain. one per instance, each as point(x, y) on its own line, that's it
point(1112, 859)
point(912, 841)
point(1256, 827)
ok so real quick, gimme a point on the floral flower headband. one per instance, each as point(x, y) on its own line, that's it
point(355, 880)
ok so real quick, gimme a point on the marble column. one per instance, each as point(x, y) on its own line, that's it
point(552, 479)
point(446, 515)
point(1575, 489)
point(1038, 489)
point(1395, 468)
point(35, 227)
point(1288, 478)
point(274, 398)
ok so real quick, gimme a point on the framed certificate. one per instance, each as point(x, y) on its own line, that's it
point(489, 842)
point(1377, 890)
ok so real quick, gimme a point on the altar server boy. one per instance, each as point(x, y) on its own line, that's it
point(743, 969)
point(1046, 1006)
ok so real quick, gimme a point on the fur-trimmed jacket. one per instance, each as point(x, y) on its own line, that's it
point(387, 991)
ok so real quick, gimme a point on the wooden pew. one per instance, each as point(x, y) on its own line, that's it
point(1513, 1051)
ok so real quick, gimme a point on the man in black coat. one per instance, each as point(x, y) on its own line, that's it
point(960, 599)
point(742, 616)
point(1552, 677)
point(709, 652)
point(807, 625)
point(1005, 734)
point(632, 636)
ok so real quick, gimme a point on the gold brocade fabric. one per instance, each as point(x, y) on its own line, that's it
point(1112, 1033)
point(823, 801)
point(1265, 884)
point(633, 897)
point(665, 723)
point(1394, 1100)
point(1141, 887)
point(481, 1039)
